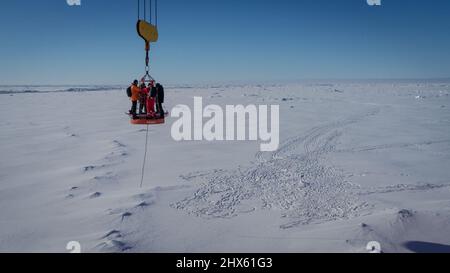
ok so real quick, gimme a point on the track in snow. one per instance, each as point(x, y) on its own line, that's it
point(295, 180)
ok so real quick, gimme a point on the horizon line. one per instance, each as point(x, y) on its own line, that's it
point(244, 81)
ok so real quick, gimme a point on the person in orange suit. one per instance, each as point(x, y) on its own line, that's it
point(135, 90)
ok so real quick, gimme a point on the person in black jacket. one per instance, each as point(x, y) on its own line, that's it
point(160, 99)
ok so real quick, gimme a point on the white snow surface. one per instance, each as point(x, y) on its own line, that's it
point(358, 162)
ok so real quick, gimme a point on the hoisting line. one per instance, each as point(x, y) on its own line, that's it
point(147, 61)
point(145, 157)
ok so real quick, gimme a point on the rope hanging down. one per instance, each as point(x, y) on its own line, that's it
point(145, 158)
point(153, 12)
point(156, 13)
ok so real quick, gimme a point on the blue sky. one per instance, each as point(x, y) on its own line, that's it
point(206, 41)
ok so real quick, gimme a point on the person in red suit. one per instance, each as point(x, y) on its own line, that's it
point(151, 99)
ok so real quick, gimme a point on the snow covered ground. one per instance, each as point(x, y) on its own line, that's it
point(358, 162)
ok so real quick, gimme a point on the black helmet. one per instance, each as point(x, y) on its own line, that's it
point(135, 82)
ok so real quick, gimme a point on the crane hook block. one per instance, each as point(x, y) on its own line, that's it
point(147, 31)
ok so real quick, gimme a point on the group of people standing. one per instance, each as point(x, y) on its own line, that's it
point(148, 96)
